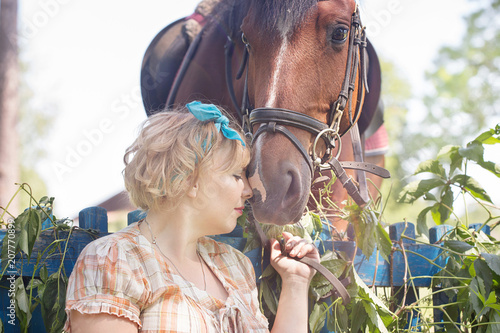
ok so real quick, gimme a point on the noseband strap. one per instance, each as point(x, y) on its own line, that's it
point(272, 127)
point(287, 118)
point(275, 120)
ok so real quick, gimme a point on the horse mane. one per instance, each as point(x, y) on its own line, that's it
point(281, 15)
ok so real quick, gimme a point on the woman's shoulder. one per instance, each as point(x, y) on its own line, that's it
point(123, 242)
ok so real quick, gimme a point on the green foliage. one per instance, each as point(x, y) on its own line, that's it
point(471, 280)
point(366, 310)
point(462, 99)
point(448, 171)
point(47, 291)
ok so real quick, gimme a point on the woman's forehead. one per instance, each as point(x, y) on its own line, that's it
point(227, 157)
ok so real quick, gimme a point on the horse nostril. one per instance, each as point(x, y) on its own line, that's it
point(292, 183)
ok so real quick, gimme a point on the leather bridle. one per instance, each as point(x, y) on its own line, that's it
point(276, 120)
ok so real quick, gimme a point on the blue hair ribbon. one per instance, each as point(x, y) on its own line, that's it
point(207, 112)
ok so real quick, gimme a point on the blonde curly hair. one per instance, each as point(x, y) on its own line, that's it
point(172, 150)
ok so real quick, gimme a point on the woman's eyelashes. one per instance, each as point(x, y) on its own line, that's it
point(239, 174)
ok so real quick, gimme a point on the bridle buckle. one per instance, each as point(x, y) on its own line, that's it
point(332, 135)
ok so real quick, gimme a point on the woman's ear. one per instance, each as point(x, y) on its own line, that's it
point(193, 189)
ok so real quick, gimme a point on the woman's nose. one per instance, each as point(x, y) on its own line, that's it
point(247, 189)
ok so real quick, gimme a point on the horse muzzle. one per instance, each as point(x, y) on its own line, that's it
point(279, 195)
point(280, 174)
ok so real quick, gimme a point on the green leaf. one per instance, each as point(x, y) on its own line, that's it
point(429, 197)
point(484, 274)
point(44, 274)
point(422, 228)
point(366, 241)
point(364, 223)
point(487, 138)
point(446, 153)
point(269, 297)
point(472, 186)
point(432, 166)
point(320, 286)
point(436, 213)
point(33, 229)
point(21, 222)
point(363, 288)
point(493, 262)
point(53, 303)
point(318, 226)
point(416, 189)
point(494, 322)
point(268, 272)
point(358, 317)
point(494, 168)
point(34, 283)
point(339, 320)
point(491, 300)
point(445, 205)
point(384, 243)
point(23, 312)
point(317, 317)
point(475, 296)
point(336, 266)
point(457, 246)
point(21, 296)
point(451, 155)
point(371, 310)
point(474, 151)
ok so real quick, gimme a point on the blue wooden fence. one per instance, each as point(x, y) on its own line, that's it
point(94, 224)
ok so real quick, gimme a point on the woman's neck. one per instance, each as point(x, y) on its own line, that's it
point(174, 231)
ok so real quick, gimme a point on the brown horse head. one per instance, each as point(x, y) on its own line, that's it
point(298, 53)
point(298, 60)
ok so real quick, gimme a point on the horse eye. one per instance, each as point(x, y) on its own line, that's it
point(340, 35)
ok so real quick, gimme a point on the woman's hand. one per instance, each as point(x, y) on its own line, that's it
point(290, 269)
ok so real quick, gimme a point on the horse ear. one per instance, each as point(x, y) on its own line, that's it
point(372, 99)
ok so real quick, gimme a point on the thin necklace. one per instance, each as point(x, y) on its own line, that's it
point(178, 271)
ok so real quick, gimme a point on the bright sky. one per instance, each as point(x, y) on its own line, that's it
point(85, 56)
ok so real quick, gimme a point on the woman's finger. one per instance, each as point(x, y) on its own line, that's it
point(275, 249)
point(301, 248)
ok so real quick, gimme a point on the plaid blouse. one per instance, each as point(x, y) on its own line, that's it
point(123, 275)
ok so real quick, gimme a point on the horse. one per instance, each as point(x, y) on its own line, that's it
point(303, 68)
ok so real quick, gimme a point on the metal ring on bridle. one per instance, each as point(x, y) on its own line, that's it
point(317, 161)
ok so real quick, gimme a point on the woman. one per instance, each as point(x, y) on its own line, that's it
point(187, 171)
